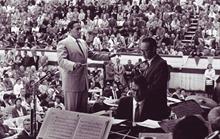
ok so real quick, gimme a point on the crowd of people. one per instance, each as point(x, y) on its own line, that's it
point(111, 25)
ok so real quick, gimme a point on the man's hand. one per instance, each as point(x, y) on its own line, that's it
point(76, 66)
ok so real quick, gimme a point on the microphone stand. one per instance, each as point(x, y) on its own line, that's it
point(33, 110)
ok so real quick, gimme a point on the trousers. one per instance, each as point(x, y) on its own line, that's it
point(76, 101)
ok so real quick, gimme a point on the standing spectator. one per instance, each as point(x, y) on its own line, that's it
point(34, 60)
point(43, 60)
point(119, 72)
point(209, 80)
point(128, 72)
point(109, 70)
point(26, 59)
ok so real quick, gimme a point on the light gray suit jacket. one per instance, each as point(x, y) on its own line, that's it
point(68, 53)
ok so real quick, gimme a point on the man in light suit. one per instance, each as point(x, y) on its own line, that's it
point(156, 77)
point(72, 58)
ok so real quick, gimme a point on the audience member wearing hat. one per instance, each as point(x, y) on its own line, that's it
point(18, 110)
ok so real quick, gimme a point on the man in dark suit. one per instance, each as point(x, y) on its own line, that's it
point(25, 133)
point(128, 72)
point(156, 78)
point(26, 59)
point(34, 60)
point(135, 107)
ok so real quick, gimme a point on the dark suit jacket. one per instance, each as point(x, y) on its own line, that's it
point(34, 63)
point(125, 110)
point(24, 135)
point(156, 77)
point(15, 113)
point(26, 61)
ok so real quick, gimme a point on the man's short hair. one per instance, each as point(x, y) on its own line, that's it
point(188, 128)
point(71, 25)
point(6, 96)
point(152, 42)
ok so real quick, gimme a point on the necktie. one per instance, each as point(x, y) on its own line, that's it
point(137, 113)
point(77, 41)
point(146, 67)
point(114, 95)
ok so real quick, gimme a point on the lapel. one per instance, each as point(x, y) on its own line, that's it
point(152, 65)
point(83, 46)
point(75, 45)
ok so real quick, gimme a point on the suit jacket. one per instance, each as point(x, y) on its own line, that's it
point(157, 77)
point(15, 113)
point(24, 135)
point(34, 62)
point(69, 53)
point(125, 110)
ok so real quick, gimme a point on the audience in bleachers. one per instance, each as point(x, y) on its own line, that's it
point(109, 26)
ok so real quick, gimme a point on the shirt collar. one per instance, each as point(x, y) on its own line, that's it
point(150, 60)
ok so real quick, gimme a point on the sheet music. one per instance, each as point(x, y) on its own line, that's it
point(59, 125)
point(149, 123)
point(62, 124)
point(90, 128)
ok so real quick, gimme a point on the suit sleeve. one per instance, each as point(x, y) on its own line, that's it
point(97, 56)
point(63, 61)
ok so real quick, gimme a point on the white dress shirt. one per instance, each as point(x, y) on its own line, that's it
point(141, 103)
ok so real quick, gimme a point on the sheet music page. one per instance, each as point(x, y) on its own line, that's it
point(149, 123)
point(91, 128)
point(58, 125)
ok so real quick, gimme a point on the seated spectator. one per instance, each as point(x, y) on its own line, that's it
point(4, 129)
point(17, 87)
point(25, 133)
point(58, 102)
point(6, 100)
point(111, 91)
point(177, 94)
point(18, 110)
point(188, 128)
point(214, 118)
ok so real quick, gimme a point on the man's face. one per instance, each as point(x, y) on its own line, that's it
point(136, 93)
point(76, 31)
point(147, 51)
point(27, 125)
